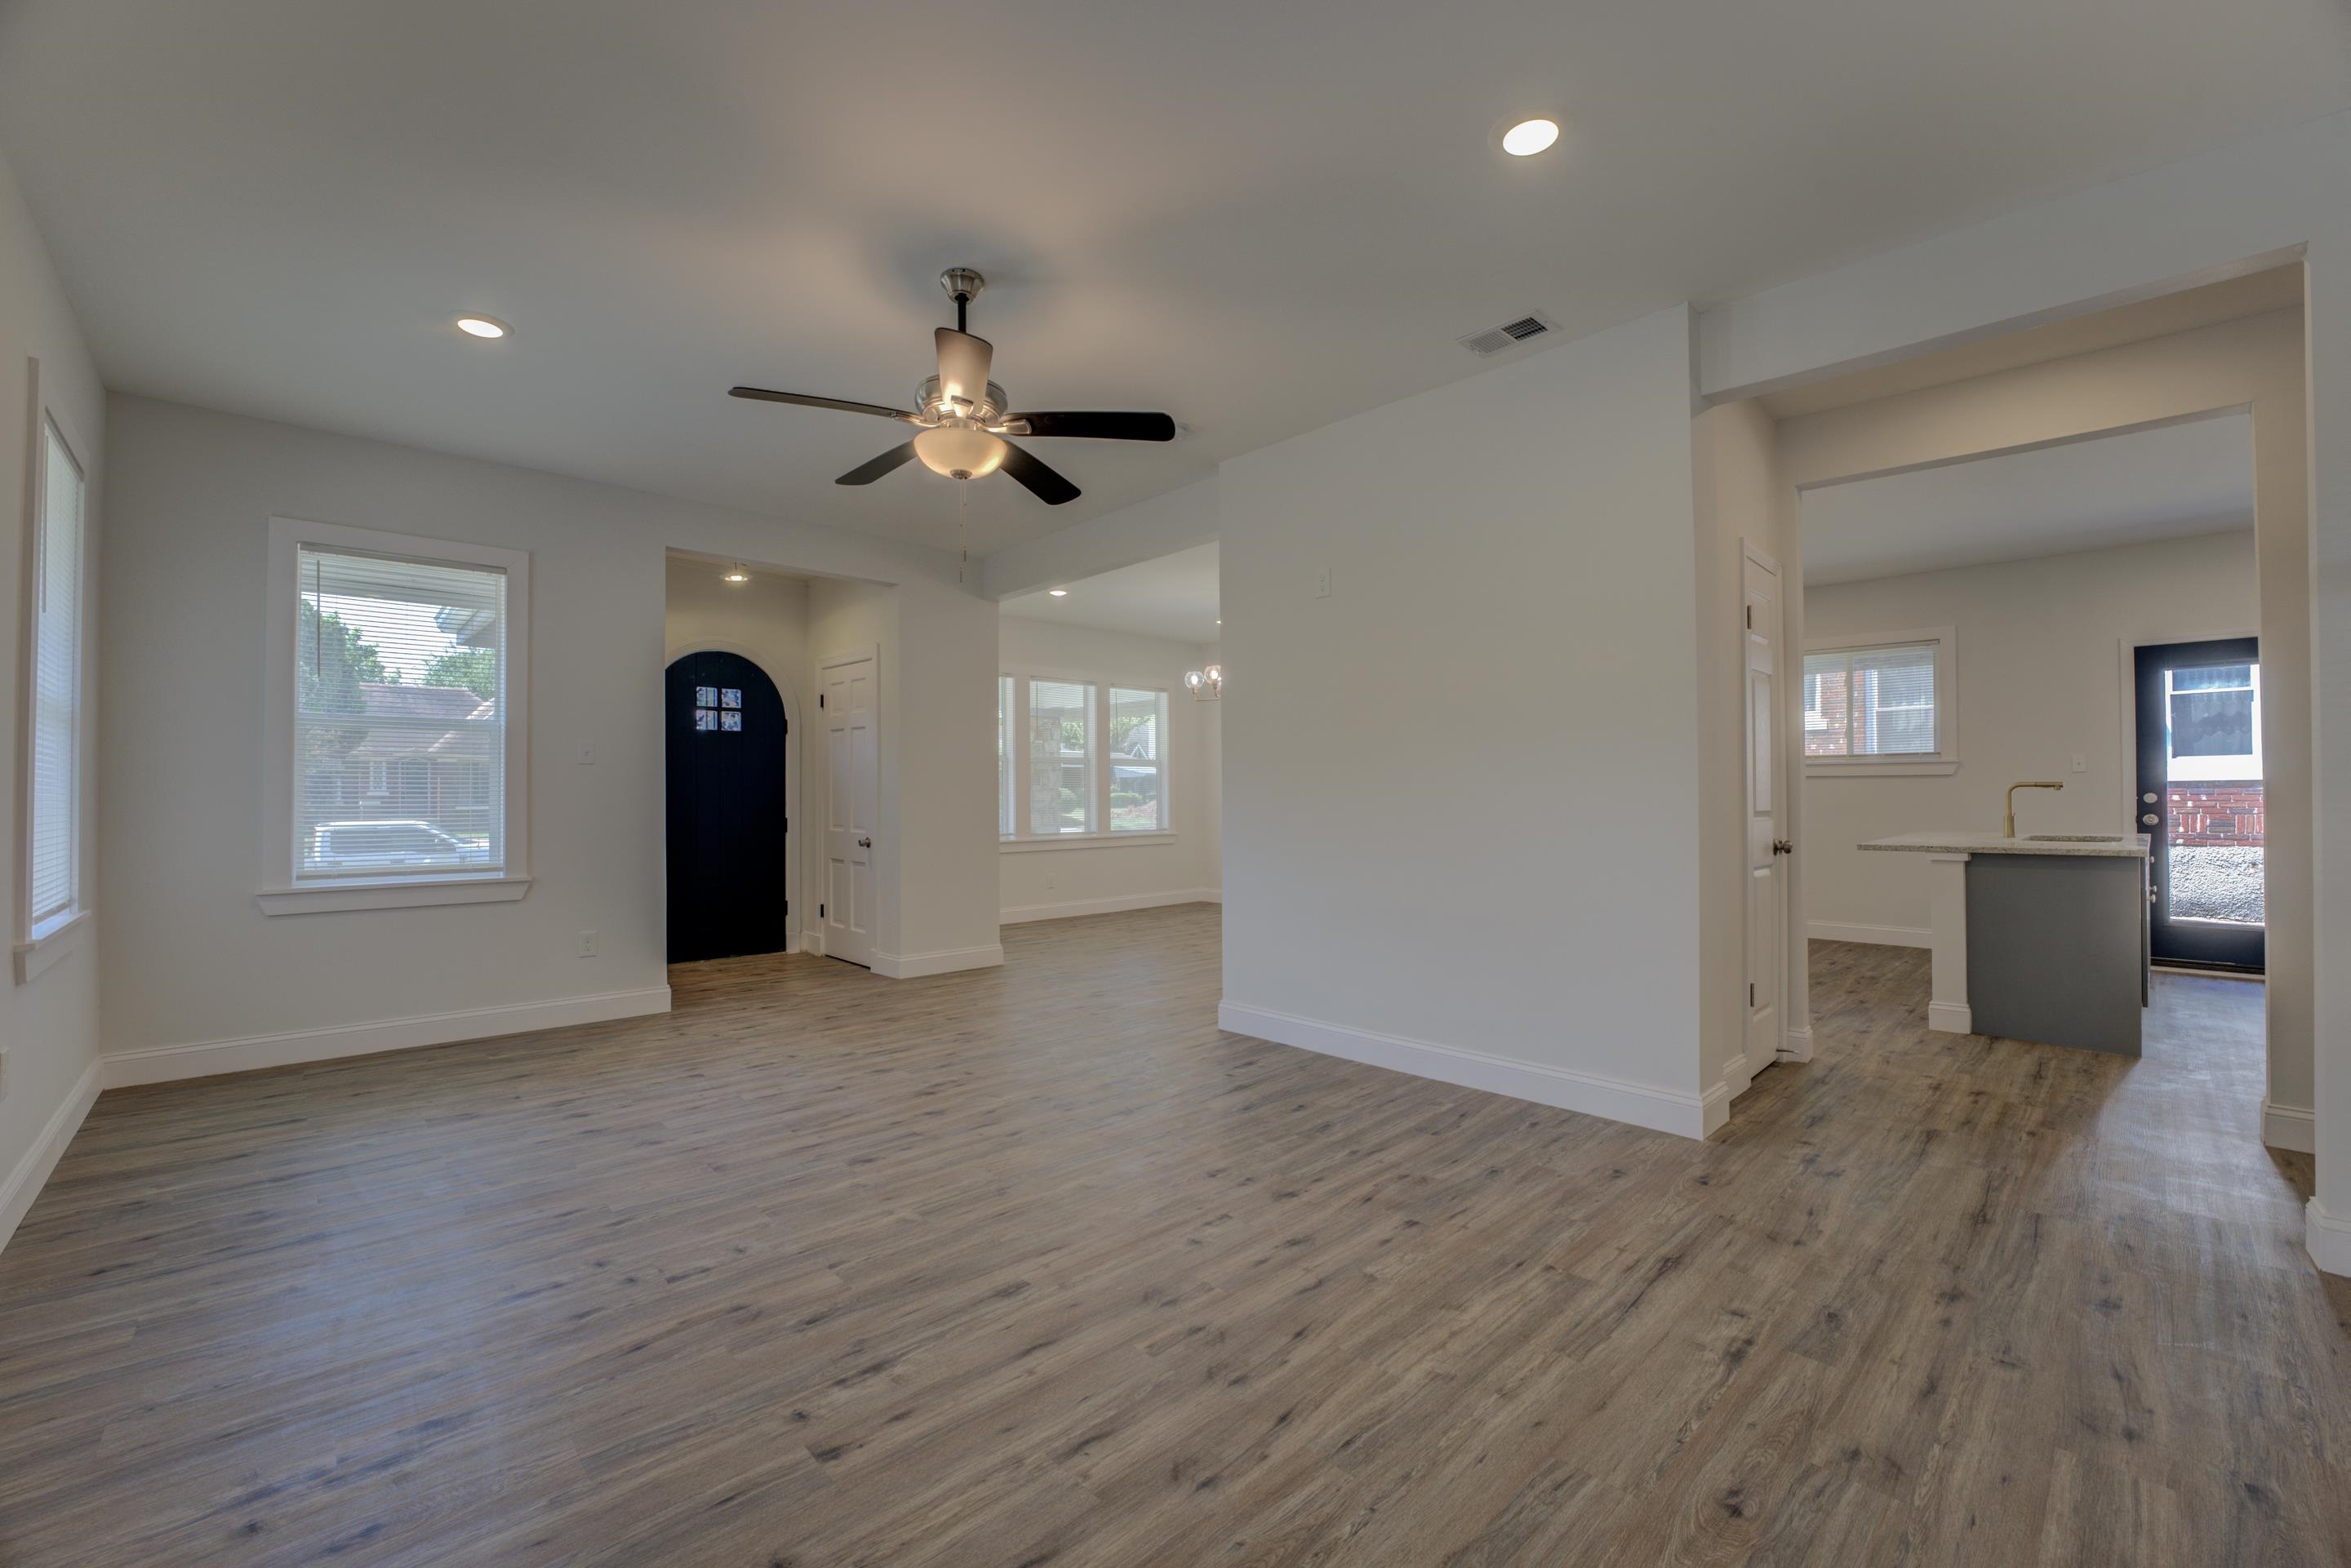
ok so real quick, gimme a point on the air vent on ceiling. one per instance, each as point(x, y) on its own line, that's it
point(1509, 335)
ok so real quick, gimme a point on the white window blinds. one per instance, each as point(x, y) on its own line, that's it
point(54, 882)
point(1871, 701)
point(399, 727)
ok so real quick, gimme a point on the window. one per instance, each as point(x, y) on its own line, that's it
point(1060, 758)
point(1881, 703)
point(1005, 744)
point(1092, 766)
point(1138, 724)
point(2214, 712)
point(397, 682)
point(53, 792)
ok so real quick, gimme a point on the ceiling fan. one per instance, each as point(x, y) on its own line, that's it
point(963, 414)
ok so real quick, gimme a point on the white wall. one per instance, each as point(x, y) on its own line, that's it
point(1461, 791)
point(193, 492)
point(766, 621)
point(1050, 884)
point(48, 1024)
point(2040, 681)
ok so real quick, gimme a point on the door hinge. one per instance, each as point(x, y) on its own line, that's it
point(820, 912)
point(1751, 993)
point(1750, 618)
point(819, 699)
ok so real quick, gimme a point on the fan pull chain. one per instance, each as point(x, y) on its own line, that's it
point(963, 542)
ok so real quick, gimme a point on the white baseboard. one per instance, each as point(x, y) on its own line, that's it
point(2328, 1237)
point(1015, 915)
point(2288, 1127)
point(1618, 1099)
point(203, 1059)
point(24, 1182)
point(1877, 936)
point(1796, 1044)
point(1951, 1018)
point(945, 961)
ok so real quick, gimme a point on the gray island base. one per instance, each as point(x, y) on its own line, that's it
point(2042, 939)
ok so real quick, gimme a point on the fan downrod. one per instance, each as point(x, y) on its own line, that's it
point(963, 285)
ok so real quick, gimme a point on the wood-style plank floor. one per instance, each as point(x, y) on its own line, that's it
point(1035, 1265)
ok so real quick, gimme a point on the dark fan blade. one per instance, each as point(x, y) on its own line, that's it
point(1043, 482)
point(1101, 426)
point(866, 472)
point(763, 396)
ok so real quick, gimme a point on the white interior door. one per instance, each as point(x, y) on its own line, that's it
point(1766, 889)
point(851, 806)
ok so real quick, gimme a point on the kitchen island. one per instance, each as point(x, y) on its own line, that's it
point(2042, 937)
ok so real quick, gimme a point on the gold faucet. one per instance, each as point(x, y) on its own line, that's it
point(2010, 832)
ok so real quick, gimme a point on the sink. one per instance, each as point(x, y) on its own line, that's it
point(2074, 838)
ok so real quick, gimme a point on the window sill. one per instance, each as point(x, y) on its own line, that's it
point(1082, 841)
point(406, 892)
point(47, 944)
point(1886, 770)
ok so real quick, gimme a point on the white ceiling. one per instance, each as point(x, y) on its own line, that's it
point(2166, 482)
point(1173, 597)
point(1258, 217)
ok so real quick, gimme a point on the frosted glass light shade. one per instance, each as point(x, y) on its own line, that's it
point(959, 451)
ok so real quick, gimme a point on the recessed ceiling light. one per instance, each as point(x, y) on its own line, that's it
point(483, 326)
point(1059, 593)
point(1529, 137)
point(736, 573)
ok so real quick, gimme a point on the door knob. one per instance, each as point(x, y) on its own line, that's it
point(865, 843)
point(1782, 846)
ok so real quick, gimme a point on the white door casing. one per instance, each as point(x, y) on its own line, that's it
point(851, 710)
point(1767, 890)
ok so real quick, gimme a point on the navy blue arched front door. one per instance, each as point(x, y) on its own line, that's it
point(728, 893)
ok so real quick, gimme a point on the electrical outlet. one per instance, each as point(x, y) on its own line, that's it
point(587, 757)
point(2081, 763)
point(587, 944)
point(1322, 582)
point(1048, 882)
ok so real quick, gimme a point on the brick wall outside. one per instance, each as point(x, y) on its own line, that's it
point(2227, 812)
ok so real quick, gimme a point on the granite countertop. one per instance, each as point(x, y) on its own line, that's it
point(2110, 846)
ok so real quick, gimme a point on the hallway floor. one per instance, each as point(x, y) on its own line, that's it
point(1035, 1265)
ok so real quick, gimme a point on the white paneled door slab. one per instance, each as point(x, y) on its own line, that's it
point(1767, 891)
point(851, 805)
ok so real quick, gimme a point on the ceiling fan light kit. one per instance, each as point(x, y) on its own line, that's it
point(963, 419)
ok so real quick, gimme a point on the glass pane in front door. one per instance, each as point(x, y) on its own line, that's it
point(2200, 800)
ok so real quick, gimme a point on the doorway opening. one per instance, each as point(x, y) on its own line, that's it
point(1995, 534)
point(736, 661)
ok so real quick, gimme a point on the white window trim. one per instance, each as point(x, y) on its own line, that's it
point(278, 892)
point(1944, 759)
point(41, 944)
point(1022, 840)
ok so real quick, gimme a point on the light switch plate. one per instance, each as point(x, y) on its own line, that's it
point(1322, 582)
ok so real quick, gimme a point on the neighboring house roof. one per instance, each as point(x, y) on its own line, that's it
point(449, 705)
